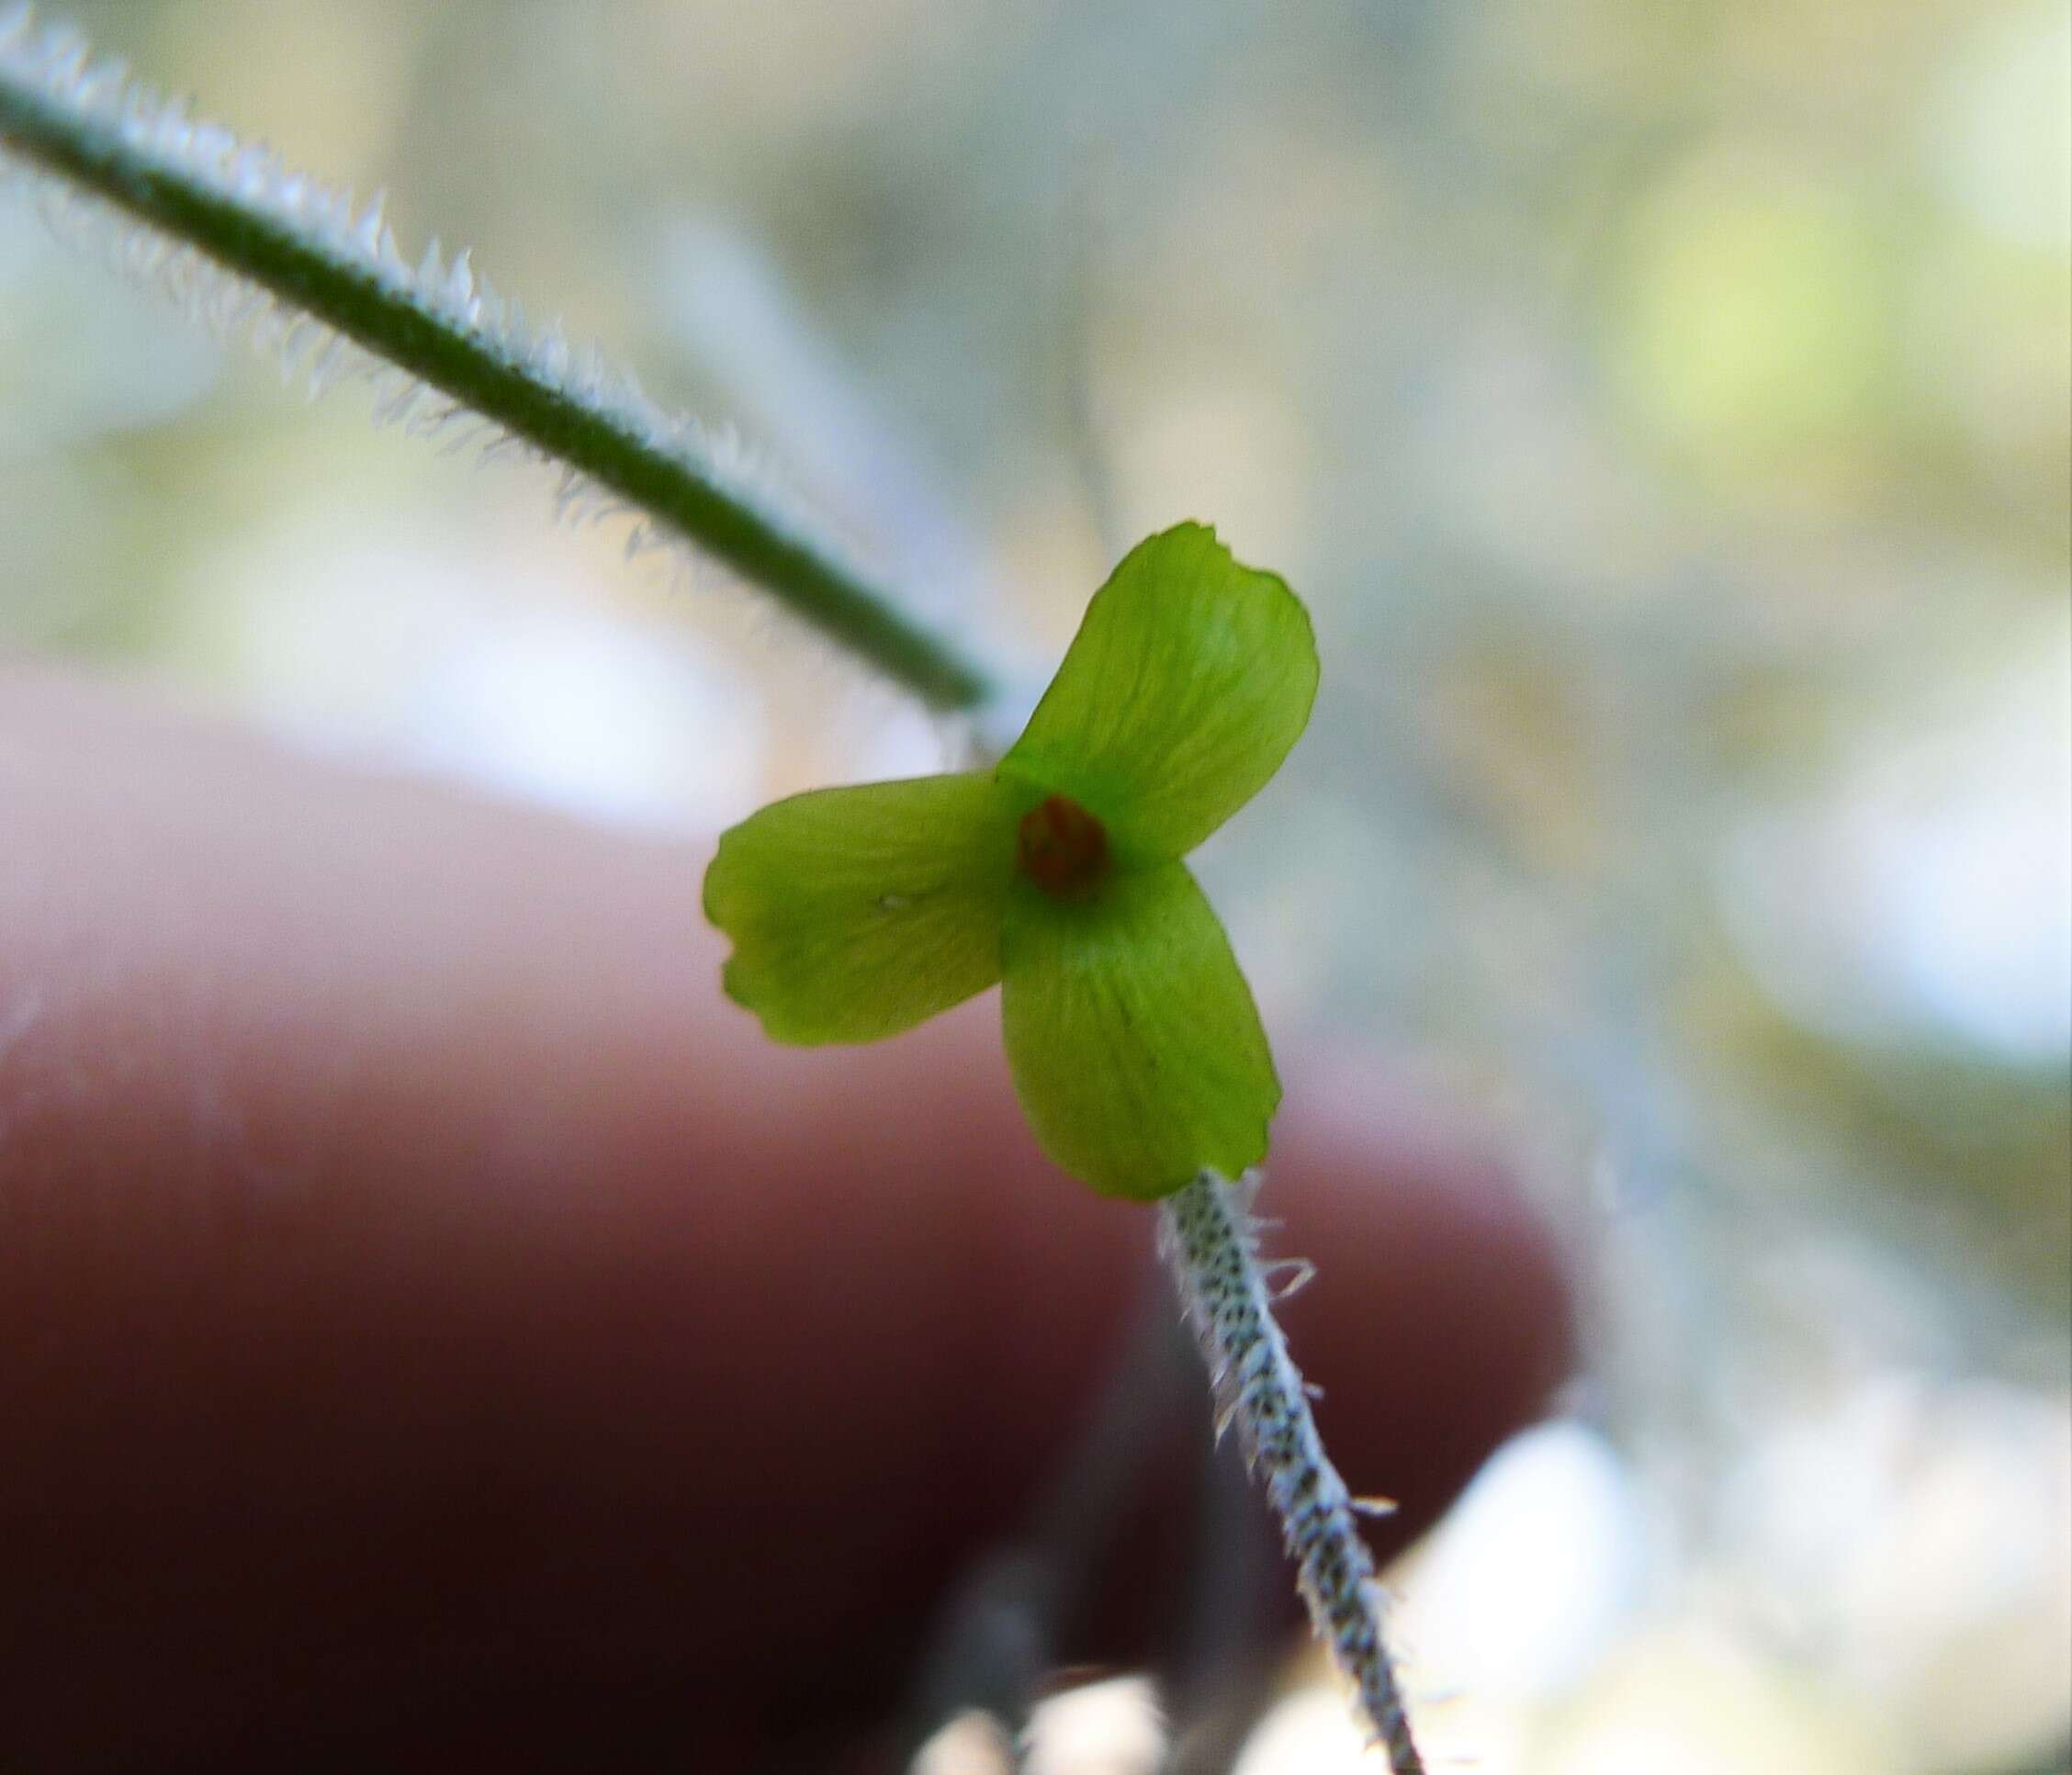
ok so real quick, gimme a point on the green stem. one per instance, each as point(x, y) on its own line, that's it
point(53, 126)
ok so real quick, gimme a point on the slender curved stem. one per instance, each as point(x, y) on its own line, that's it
point(306, 248)
point(1211, 1243)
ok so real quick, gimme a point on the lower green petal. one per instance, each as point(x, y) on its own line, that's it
point(857, 913)
point(1135, 1046)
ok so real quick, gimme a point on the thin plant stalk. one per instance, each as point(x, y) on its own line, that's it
point(283, 252)
point(311, 252)
point(1211, 1243)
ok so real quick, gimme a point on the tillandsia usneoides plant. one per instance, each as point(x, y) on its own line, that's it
point(855, 913)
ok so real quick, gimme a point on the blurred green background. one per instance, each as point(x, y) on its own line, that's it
point(1665, 412)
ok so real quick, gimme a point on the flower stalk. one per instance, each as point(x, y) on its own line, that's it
point(1210, 1240)
point(1198, 682)
point(291, 246)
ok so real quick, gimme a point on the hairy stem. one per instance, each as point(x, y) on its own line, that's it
point(1211, 1243)
point(307, 249)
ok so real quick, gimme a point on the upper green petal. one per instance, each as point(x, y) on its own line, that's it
point(1189, 680)
point(857, 913)
point(1133, 1037)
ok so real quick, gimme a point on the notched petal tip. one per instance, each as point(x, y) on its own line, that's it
point(857, 913)
point(742, 992)
point(1135, 1045)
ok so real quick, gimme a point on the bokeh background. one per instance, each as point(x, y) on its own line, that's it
point(1664, 411)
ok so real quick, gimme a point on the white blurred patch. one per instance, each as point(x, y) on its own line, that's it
point(480, 665)
point(1533, 1573)
point(83, 354)
point(1311, 1733)
point(1103, 1729)
point(1688, 1700)
point(2002, 136)
point(971, 1744)
point(1928, 894)
point(586, 712)
point(1915, 1536)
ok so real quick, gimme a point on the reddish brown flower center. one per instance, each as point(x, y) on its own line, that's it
point(1060, 847)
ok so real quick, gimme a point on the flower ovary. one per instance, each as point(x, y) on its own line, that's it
point(1062, 848)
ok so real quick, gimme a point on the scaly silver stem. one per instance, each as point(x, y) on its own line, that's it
point(1209, 1237)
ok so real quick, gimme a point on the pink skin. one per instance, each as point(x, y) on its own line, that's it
point(433, 1320)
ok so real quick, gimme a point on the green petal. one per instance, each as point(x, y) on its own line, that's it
point(1134, 1039)
point(858, 913)
point(1189, 680)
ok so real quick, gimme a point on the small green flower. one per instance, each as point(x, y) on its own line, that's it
point(1134, 1043)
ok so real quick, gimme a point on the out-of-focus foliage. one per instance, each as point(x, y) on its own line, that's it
point(1664, 413)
